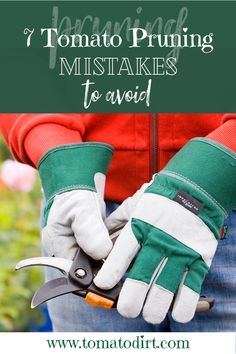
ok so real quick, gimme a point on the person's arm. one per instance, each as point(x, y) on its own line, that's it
point(226, 133)
point(72, 173)
point(30, 136)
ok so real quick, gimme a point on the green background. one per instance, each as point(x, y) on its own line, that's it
point(204, 82)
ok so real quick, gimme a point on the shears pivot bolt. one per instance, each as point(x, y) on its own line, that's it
point(80, 273)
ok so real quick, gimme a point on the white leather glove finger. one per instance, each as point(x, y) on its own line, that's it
point(75, 219)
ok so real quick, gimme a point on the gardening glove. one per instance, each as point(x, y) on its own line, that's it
point(174, 224)
point(73, 180)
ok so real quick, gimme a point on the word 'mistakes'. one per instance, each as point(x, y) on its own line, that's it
point(116, 66)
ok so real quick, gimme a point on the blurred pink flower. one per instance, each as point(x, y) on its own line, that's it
point(17, 176)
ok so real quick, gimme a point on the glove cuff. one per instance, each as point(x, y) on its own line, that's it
point(73, 166)
point(206, 170)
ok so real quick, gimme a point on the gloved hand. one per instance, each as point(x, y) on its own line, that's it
point(73, 180)
point(174, 223)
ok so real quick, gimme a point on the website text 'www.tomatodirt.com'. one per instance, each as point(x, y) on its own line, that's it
point(139, 342)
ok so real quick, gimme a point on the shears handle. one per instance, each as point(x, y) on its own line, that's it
point(82, 272)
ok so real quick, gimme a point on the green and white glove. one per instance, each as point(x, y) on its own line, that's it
point(174, 223)
point(73, 180)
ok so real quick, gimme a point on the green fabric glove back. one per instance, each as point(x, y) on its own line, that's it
point(173, 229)
point(73, 180)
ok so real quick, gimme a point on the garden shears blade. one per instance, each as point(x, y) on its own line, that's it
point(77, 279)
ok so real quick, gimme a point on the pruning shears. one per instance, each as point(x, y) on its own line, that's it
point(77, 278)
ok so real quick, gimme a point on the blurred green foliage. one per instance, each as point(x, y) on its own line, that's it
point(19, 239)
point(4, 151)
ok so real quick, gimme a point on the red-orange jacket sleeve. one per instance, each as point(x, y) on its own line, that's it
point(226, 133)
point(30, 136)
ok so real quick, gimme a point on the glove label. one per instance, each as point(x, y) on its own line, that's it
point(188, 202)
